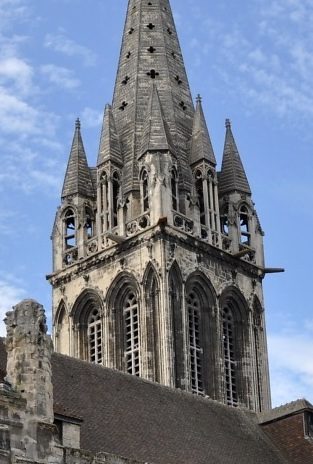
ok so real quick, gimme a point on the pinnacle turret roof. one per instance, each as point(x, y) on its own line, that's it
point(155, 135)
point(201, 146)
point(110, 147)
point(232, 177)
point(77, 179)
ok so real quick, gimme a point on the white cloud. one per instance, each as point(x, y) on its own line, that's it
point(60, 76)
point(91, 117)
point(11, 10)
point(61, 43)
point(18, 73)
point(290, 355)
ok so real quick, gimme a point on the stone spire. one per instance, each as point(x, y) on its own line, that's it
point(77, 179)
point(110, 147)
point(150, 52)
point(155, 135)
point(232, 177)
point(201, 146)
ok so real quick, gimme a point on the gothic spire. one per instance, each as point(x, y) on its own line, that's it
point(77, 179)
point(232, 177)
point(110, 147)
point(201, 146)
point(155, 135)
point(150, 52)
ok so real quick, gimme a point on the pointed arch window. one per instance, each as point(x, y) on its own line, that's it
point(94, 336)
point(174, 188)
point(199, 190)
point(245, 236)
point(145, 191)
point(89, 223)
point(131, 334)
point(230, 364)
point(115, 199)
point(69, 229)
point(104, 196)
point(195, 343)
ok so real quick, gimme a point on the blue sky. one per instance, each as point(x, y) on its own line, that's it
point(252, 62)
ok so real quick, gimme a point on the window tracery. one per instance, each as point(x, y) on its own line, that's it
point(131, 334)
point(229, 357)
point(94, 336)
point(195, 344)
point(174, 188)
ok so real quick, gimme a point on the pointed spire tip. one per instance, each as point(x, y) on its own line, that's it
point(228, 124)
point(77, 123)
point(199, 98)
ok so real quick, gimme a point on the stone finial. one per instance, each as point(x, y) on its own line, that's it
point(26, 323)
point(228, 124)
point(77, 124)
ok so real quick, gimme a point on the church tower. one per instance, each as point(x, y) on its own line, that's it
point(158, 257)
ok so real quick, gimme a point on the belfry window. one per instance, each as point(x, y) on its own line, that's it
point(89, 223)
point(195, 348)
point(174, 188)
point(145, 191)
point(131, 334)
point(116, 193)
point(199, 189)
point(224, 224)
point(94, 335)
point(104, 198)
point(70, 229)
point(229, 357)
point(244, 226)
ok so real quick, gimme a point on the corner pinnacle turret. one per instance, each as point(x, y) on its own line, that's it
point(232, 177)
point(77, 179)
point(201, 146)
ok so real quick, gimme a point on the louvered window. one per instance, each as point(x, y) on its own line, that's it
point(195, 347)
point(95, 337)
point(131, 332)
point(229, 358)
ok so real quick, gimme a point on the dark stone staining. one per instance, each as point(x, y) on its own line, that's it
point(123, 106)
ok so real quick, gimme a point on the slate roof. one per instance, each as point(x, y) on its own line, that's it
point(141, 420)
point(232, 177)
point(295, 407)
point(201, 145)
point(77, 177)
